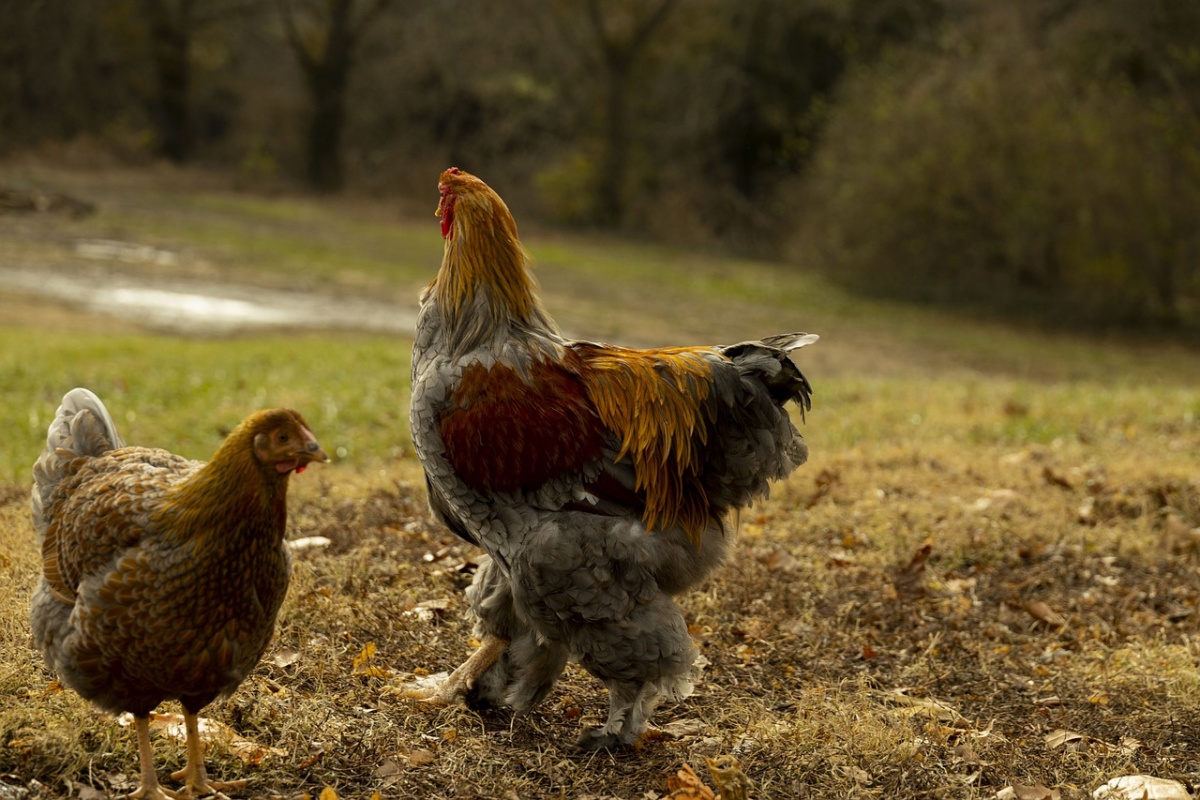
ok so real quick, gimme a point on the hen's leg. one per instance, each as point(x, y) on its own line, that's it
point(150, 788)
point(194, 775)
point(454, 689)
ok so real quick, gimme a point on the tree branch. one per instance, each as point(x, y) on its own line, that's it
point(308, 60)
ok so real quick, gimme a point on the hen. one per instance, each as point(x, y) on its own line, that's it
point(600, 480)
point(162, 577)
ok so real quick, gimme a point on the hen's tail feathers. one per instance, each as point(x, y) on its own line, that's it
point(82, 426)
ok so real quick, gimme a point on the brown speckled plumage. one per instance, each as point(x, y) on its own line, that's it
point(162, 577)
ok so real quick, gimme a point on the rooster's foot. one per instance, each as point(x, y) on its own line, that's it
point(453, 690)
point(600, 738)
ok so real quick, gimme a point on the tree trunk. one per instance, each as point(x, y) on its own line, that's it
point(327, 62)
point(610, 183)
point(170, 42)
point(618, 56)
point(327, 86)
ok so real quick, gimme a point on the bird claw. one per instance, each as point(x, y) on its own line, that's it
point(454, 689)
point(440, 694)
point(600, 738)
point(208, 789)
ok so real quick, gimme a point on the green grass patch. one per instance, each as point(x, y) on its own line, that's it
point(184, 395)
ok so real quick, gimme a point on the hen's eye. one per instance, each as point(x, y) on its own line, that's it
point(283, 437)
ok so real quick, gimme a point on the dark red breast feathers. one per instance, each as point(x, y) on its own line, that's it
point(504, 432)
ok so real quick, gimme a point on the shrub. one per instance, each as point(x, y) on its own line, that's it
point(987, 172)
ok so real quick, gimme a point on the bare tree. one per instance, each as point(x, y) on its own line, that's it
point(173, 25)
point(325, 45)
point(612, 40)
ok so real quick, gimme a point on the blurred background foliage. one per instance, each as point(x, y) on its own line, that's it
point(1037, 157)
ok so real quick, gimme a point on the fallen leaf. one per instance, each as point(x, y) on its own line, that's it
point(363, 663)
point(1142, 787)
point(1177, 533)
point(1019, 792)
point(992, 498)
point(328, 794)
point(909, 580)
point(309, 542)
point(965, 752)
point(419, 758)
point(1044, 613)
point(927, 706)
point(780, 560)
point(1063, 738)
point(1128, 746)
point(732, 783)
point(172, 726)
point(1055, 478)
point(686, 785)
point(1076, 742)
point(428, 610)
point(285, 657)
point(825, 481)
point(681, 728)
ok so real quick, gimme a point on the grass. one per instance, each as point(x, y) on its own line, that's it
point(997, 537)
point(187, 394)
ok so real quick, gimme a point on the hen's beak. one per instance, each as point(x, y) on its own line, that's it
point(310, 452)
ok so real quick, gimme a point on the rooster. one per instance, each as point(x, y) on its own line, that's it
point(162, 577)
point(599, 480)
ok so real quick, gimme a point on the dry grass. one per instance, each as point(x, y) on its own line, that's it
point(1060, 591)
point(985, 549)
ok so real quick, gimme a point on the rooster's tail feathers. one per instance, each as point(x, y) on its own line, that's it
point(768, 360)
point(787, 342)
point(82, 426)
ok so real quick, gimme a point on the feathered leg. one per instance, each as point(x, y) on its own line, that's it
point(522, 677)
point(529, 668)
point(601, 589)
point(643, 660)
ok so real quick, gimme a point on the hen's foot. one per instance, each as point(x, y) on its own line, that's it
point(194, 775)
point(205, 787)
point(453, 690)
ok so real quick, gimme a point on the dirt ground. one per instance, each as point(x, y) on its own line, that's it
point(884, 630)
